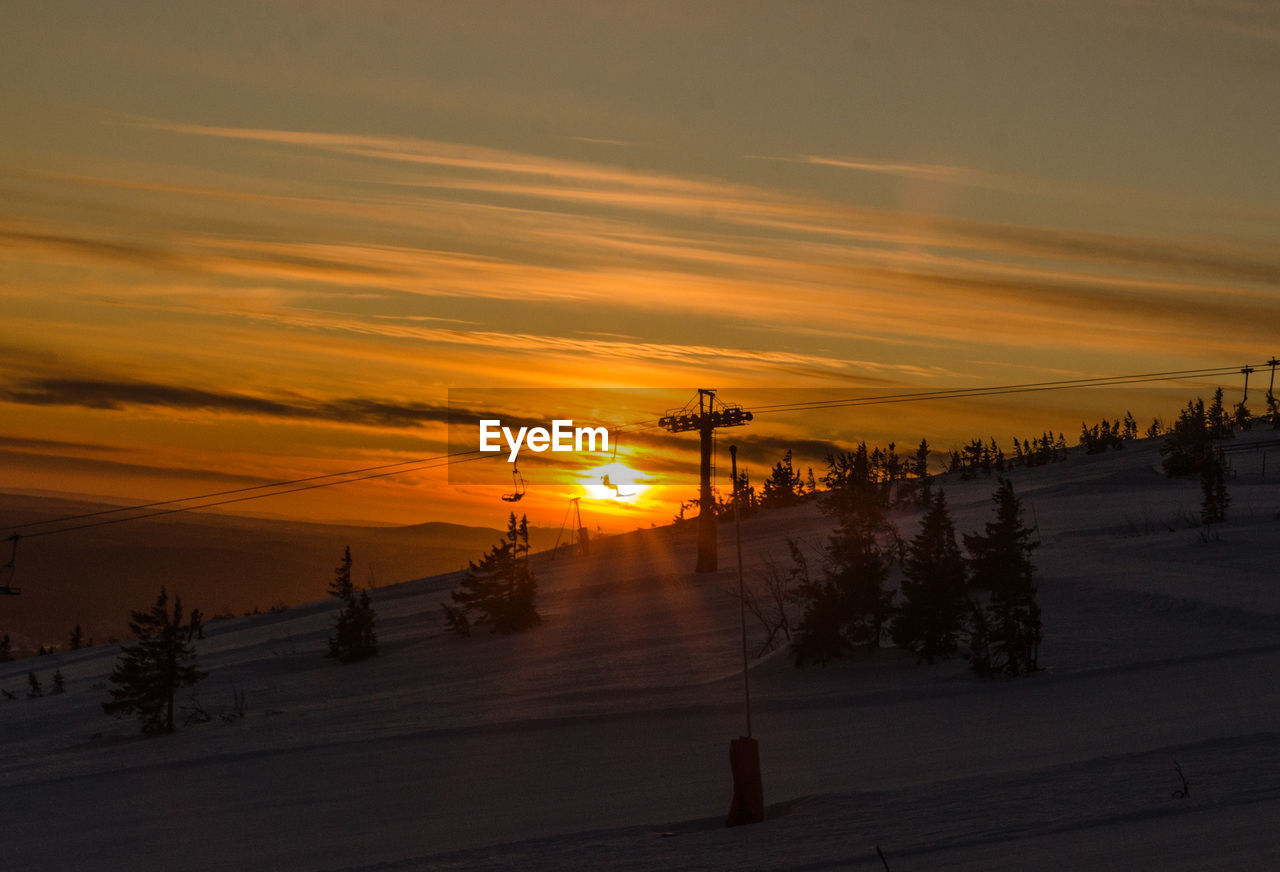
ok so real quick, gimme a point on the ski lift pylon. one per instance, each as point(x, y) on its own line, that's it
point(9, 570)
point(579, 536)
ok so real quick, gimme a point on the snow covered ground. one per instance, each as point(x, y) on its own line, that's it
point(600, 739)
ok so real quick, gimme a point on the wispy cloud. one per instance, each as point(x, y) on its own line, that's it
point(103, 394)
point(939, 172)
point(50, 444)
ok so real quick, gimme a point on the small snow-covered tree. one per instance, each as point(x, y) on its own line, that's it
point(152, 668)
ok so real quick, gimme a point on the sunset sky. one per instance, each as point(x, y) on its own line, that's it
point(250, 241)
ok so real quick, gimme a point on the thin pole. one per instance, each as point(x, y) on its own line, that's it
point(708, 558)
point(742, 593)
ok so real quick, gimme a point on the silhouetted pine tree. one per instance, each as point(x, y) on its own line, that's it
point(33, 686)
point(353, 635)
point(152, 668)
point(1008, 621)
point(1188, 444)
point(77, 639)
point(1241, 416)
point(1216, 418)
point(933, 588)
point(1213, 506)
point(499, 590)
point(6, 649)
point(920, 469)
point(849, 605)
point(782, 487)
point(1130, 426)
point(59, 683)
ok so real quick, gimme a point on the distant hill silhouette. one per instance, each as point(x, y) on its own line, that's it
point(218, 563)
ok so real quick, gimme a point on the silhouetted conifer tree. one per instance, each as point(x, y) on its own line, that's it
point(152, 668)
point(1241, 416)
point(849, 604)
point(920, 469)
point(500, 590)
point(1213, 506)
point(59, 683)
point(1216, 418)
point(1189, 442)
point(1130, 426)
point(933, 588)
point(354, 637)
point(782, 487)
point(1005, 616)
point(33, 686)
point(6, 649)
point(77, 639)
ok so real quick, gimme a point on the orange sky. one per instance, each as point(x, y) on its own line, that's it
point(263, 242)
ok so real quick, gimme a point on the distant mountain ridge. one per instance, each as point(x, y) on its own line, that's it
point(219, 563)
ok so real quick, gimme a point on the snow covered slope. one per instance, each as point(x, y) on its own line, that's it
point(599, 740)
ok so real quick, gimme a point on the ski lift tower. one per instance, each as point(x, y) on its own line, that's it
point(710, 415)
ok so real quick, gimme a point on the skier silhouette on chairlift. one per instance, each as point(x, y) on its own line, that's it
point(607, 482)
point(517, 485)
point(617, 489)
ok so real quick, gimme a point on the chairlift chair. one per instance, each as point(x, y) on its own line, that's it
point(607, 482)
point(518, 487)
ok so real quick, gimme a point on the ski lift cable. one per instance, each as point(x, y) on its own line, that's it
point(246, 498)
point(945, 393)
point(240, 490)
point(997, 390)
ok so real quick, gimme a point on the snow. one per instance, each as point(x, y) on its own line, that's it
point(600, 739)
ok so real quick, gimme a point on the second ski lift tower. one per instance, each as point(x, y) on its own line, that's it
point(710, 416)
